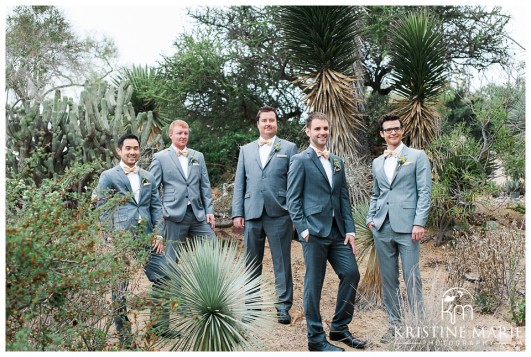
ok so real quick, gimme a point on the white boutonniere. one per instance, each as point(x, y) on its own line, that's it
point(337, 164)
point(145, 180)
point(193, 160)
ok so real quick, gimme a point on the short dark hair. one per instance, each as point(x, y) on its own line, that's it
point(266, 109)
point(315, 115)
point(389, 117)
point(120, 141)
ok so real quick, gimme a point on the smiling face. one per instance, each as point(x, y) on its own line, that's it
point(129, 152)
point(179, 136)
point(318, 132)
point(393, 138)
point(267, 125)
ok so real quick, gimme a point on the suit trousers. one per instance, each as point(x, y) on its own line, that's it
point(317, 251)
point(279, 231)
point(389, 245)
point(176, 232)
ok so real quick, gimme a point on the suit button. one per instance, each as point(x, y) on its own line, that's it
point(387, 202)
point(390, 189)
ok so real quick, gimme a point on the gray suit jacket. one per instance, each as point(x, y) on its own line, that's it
point(312, 203)
point(257, 188)
point(178, 190)
point(407, 198)
point(115, 182)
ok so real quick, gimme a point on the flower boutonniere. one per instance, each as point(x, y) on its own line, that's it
point(337, 164)
point(193, 160)
point(145, 180)
point(276, 148)
point(402, 161)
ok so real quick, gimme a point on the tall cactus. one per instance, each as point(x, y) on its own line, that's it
point(57, 133)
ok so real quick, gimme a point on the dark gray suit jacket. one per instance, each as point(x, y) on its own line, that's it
point(178, 190)
point(312, 203)
point(257, 188)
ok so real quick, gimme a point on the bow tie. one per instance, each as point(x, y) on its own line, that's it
point(128, 170)
point(181, 152)
point(262, 142)
point(324, 153)
point(388, 153)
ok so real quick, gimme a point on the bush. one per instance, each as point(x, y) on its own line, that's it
point(59, 269)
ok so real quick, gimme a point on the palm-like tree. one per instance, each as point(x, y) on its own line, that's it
point(321, 44)
point(419, 75)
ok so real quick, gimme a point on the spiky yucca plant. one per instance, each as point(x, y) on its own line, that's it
point(370, 287)
point(206, 293)
point(321, 42)
point(419, 75)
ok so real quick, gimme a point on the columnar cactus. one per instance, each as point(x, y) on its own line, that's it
point(56, 134)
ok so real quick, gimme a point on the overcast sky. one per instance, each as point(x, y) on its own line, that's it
point(143, 30)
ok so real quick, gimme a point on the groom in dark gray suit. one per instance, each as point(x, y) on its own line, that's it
point(143, 207)
point(399, 208)
point(259, 205)
point(186, 194)
point(319, 205)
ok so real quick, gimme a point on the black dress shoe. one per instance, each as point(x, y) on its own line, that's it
point(347, 338)
point(283, 317)
point(324, 346)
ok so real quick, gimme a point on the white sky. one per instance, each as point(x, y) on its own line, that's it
point(143, 30)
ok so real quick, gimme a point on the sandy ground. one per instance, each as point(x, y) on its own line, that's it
point(369, 321)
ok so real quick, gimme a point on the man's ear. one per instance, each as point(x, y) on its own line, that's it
point(307, 132)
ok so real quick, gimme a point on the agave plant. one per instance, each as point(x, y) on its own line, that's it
point(321, 42)
point(419, 75)
point(207, 293)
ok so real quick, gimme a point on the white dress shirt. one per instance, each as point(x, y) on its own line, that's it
point(265, 150)
point(183, 160)
point(134, 180)
point(391, 162)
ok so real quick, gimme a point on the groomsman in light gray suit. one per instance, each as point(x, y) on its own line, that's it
point(143, 207)
point(399, 207)
point(259, 205)
point(319, 205)
point(182, 175)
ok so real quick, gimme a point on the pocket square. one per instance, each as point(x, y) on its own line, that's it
point(407, 163)
point(282, 155)
point(147, 184)
point(195, 164)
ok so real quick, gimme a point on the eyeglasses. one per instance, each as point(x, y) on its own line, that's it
point(390, 130)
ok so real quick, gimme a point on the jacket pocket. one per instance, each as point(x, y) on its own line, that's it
point(409, 204)
point(313, 210)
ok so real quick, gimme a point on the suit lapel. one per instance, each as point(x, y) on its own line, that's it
point(313, 156)
point(175, 159)
point(120, 172)
point(191, 154)
point(380, 171)
point(402, 153)
point(271, 153)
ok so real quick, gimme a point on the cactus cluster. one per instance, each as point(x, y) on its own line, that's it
point(51, 136)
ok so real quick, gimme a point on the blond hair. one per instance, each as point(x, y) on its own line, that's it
point(178, 122)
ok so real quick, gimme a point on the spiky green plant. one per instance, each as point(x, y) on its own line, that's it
point(419, 75)
point(321, 41)
point(146, 94)
point(207, 291)
point(371, 285)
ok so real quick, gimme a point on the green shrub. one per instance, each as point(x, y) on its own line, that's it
point(59, 269)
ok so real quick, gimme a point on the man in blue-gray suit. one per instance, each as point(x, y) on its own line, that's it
point(319, 205)
point(259, 205)
point(143, 208)
point(399, 207)
point(182, 175)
